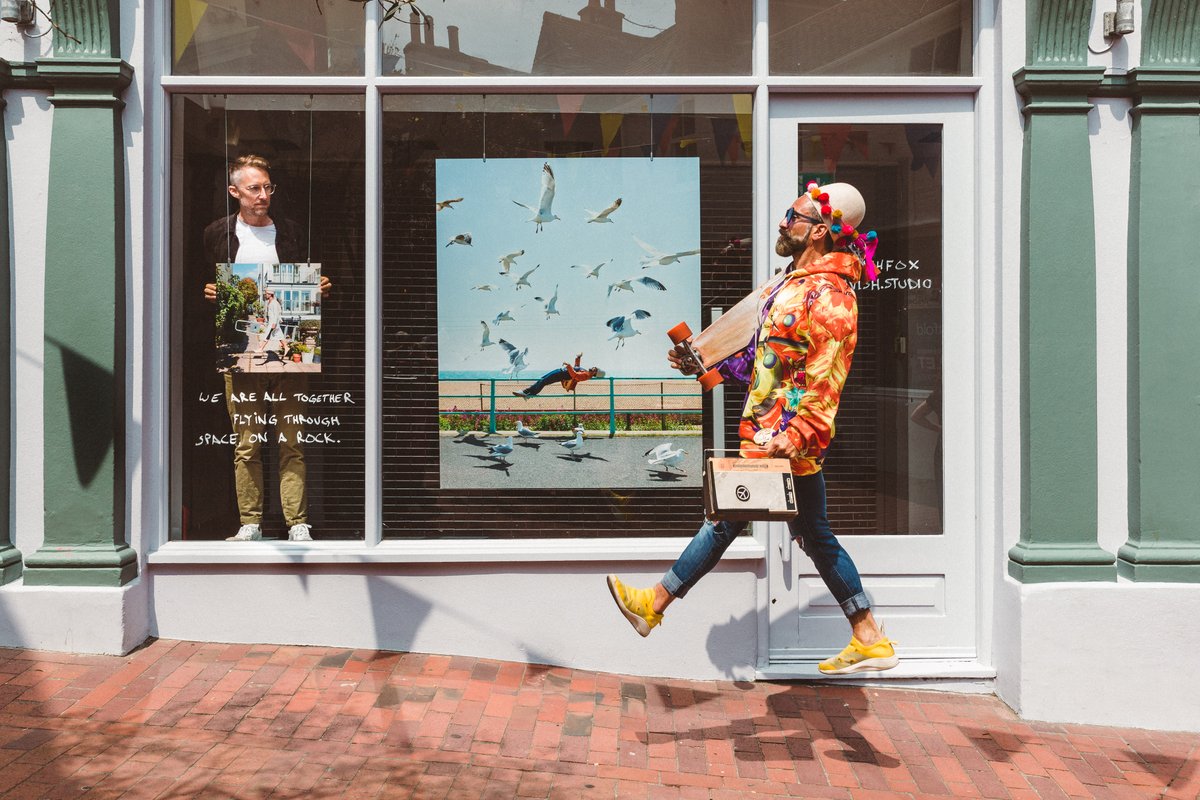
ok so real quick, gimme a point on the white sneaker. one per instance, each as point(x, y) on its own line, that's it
point(300, 533)
point(246, 533)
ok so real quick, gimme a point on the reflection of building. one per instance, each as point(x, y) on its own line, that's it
point(423, 57)
point(297, 288)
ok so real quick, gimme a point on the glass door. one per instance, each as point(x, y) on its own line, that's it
point(900, 472)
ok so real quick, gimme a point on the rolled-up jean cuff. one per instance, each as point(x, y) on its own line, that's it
point(855, 603)
point(674, 586)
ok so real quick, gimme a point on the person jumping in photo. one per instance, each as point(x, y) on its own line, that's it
point(569, 376)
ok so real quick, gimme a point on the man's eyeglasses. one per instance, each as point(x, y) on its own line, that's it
point(266, 188)
point(791, 215)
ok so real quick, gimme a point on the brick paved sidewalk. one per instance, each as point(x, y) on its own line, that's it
point(186, 719)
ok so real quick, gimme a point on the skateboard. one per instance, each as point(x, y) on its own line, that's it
point(724, 337)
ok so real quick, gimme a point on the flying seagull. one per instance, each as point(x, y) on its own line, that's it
point(462, 238)
point(501, 450)
point(526, 433)
point(444, 204)
point(653, 284)
point(524, 279)
point(516, 358)
point(503, 316)
point(620, 286)
point(550, 305)
point(486, 340)
point(660, 259)
point(622, 327)
point(594, 270)
point(507, 261)
point(602, 216)
point(483, 287)
point(664, 456)
point(543, 213)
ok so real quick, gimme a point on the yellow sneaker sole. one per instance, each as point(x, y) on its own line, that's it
point(640, 625)
point(876, 664)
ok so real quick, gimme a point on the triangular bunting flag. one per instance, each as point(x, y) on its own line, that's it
point(187, 19)
point(833, 141)
point(609, 125)
point(568, 109)
point(743, 108)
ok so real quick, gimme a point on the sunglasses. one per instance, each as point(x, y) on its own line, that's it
point(791, 215)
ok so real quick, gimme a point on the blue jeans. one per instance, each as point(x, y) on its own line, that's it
point(810, 527)
point(554, 376)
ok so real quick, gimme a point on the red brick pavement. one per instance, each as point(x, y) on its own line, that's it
point(187, 719)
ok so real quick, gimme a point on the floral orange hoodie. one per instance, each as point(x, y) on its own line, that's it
point(798, 361)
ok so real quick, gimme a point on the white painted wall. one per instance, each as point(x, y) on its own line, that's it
point(557, 613)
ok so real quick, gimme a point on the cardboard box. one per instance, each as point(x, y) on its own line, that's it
point(749, 489)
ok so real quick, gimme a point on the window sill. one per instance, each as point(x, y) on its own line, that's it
point(435, 551)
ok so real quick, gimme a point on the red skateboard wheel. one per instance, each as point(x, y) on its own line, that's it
point(710, 379)
point(679, 333)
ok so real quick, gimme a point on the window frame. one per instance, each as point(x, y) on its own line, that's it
point(161, 376)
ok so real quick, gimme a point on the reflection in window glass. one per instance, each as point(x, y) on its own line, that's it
point(268, 380)
point(870, 37)
point(480, 304)
point(887, 474)
point(268, 37)
point(571, 37)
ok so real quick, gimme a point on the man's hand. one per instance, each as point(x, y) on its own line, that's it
point(678, 358)
point(326, 285)
point(781, 446)
point(210, 292)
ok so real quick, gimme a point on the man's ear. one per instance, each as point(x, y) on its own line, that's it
point(820, 231)
point(233, 192)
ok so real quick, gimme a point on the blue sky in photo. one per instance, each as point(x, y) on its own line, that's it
point(660, 206)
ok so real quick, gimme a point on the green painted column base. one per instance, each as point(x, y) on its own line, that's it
point(1173, 562)
point(1048, 563)
point(81, 565)
point(10, 564)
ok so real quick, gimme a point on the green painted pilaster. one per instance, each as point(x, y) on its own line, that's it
point(1058, 305)
point(1164, 363)
point(10, 557)
point(84, 373)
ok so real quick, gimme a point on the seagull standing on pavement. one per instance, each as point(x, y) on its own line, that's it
point(506, 261)
point(664, 456)
point(501, 450)
point(543, 213)
point(574, 446)
point(622, 327)
point(462, 238)
point(526, 433)
point(602, 216)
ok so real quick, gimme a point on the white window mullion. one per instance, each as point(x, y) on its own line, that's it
point(373, 284)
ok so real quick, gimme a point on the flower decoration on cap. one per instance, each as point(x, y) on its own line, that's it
point(845, 234)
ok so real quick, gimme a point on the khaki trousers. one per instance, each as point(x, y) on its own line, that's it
point(252, 419)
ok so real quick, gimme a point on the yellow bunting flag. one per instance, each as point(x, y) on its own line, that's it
point(187, 19)
point(743, 107)
point(609, 125)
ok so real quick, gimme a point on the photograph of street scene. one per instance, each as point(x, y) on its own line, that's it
point(268, 318)
point(557, 282)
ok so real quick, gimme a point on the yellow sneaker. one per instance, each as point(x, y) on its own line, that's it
point(636, 604)
point(858, 656)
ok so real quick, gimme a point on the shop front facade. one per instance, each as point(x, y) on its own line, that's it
point(494, 191)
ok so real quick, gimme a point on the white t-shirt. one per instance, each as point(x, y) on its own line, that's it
point(256, 245)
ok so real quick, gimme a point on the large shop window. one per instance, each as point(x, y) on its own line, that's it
point(871, 37)
point(570, 37)
point(536, 249)
point(268, 375)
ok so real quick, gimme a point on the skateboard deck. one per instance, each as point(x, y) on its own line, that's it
point(728, 334)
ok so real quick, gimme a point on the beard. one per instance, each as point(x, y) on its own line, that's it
point(787, 245)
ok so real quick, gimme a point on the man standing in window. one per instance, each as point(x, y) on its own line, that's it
point(256, 400)
point(796, 366)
